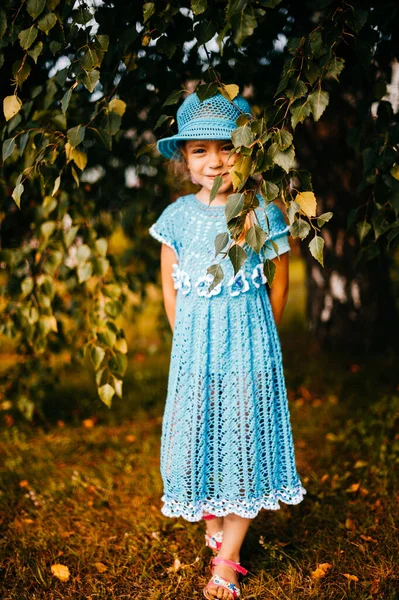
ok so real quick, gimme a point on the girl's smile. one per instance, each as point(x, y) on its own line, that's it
point(207, 159)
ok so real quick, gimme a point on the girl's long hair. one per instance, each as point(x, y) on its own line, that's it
point(178, 171)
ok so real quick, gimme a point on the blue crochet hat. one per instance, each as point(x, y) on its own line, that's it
point(213, 119)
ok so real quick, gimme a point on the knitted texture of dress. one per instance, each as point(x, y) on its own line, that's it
point(226, 443)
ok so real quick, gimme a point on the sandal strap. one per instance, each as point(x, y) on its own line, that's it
point(229, 563)
point(227, 585)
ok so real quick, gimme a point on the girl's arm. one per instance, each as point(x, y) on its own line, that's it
point(279, 289)
point(168, 258)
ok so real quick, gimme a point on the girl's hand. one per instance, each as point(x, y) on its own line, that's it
point(168, 258)
point(279, 289)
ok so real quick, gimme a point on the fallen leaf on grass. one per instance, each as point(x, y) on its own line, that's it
point(101, 568)
point(324, 478)
point(321, 570)
point(351, 577)
point(24, 483)
point(359, 464)
point(353, 488)
point(130, 438)
point(88, 423)
point(176, 566)
point(60, 571)
point(350, 524)
point(367, 538)
point(28, 521)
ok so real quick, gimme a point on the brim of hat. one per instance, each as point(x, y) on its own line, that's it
point(169, 147)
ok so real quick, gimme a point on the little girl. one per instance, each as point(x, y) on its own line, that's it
point(227, 449)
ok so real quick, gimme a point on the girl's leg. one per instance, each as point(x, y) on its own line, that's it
point(234, 531)
point(214, 525)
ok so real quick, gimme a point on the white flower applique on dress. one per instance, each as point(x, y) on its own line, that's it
point(258, 276)
point(203, 284)
point(181, 280)
point(238, 284)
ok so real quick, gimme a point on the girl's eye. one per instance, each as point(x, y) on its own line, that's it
point(228, 148)
point(198, 150)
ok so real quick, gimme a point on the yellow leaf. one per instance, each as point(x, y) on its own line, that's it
point(68, 151)
point(229, 91)
point(350, 524)
point(240, 170)
point(321, 570)
point(351, 577)
point(353, 488)
point(395, 171)
point(11, 106)
point(307, 202)
point(360, 464)
point(101, 568)
point(80, 158)
point(117, 106)
point(60, 571)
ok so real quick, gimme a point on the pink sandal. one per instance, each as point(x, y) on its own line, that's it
point(214, 542)
point(223, 583)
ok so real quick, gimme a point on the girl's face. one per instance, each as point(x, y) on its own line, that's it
point(206, 159)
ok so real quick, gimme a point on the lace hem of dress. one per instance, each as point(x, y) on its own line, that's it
point(221, 508)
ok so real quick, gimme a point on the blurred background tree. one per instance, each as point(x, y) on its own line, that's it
point(89, 87)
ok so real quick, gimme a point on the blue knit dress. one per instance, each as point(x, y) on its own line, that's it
point(226, 442)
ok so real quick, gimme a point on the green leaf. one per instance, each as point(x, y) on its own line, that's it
point(358, 19)
point(206, 90)
point(102, 41)
point(84, 272)
point(27, 37)
point(218, 275)
point(292, 210)
point(318, 101)
point(283, 139)
point(242, 136)
point(66, 99)
point(255, 237)
point(221, 242)
point(199, 6)
point(55, 47)
point(47, 22)
point(17, 193)
point(35, 7)
point(90, 59)
point(300, 228)
point(234, 206)
point(269, 190)
point(148, 10)
point(8, 148)
point(97, 354)
point(106, 139)
point(82, 254)
point(76, 135)
point(70, 235)
point(101, 246)
point(243, 25)
point(316, 43)
point(316, 248)
point(173, 98)
point(47, 229)
point(11, 106)
point(217, 182)
point(163, 119)
point(296, 89)
point(269, 270)
point(90, 80)
point(284, 159)
point(3, 23)
point(335, 67)
point(205, 31)
point(23, 140)
point(363, 229)
point(166, 46)
point(106, 393)
point(299, 113)
point(237, 256)
point(27, 285)
point(324, 218)
point(121, 345)
point(36, 51)
point(82, 15)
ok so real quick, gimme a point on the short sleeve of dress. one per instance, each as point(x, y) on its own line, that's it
point(165, 227)
point(279, 232)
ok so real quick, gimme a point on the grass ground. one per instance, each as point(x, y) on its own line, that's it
point(81, 488)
